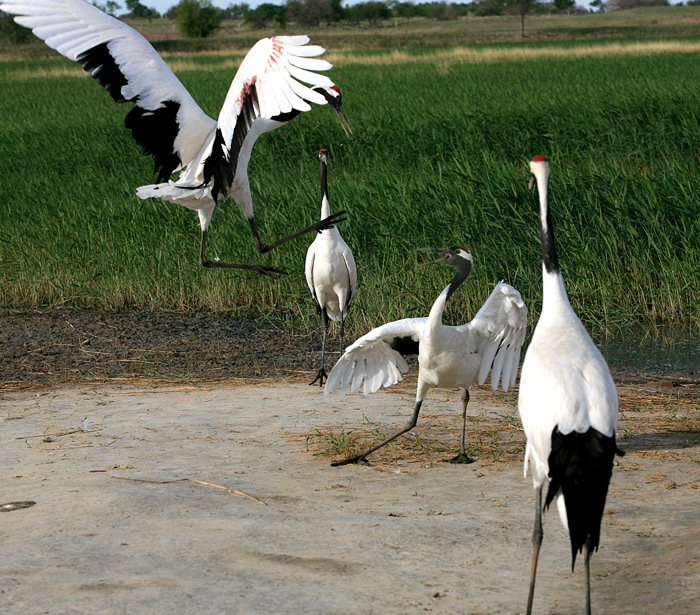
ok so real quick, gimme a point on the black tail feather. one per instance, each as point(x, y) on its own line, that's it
point(580, 466)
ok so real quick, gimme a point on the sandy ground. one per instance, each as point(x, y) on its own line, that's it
point(413, 535)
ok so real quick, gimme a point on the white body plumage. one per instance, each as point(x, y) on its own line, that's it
point(330, 270)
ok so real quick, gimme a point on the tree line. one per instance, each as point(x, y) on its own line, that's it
point(200, 18)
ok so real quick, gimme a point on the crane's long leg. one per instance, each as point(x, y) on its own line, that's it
point(342, 331)
point(322, 372)
point(462, 457)
point(317, 226)
point(271, 272)
point(587, 558)
point(536, 544)
point(361, 457)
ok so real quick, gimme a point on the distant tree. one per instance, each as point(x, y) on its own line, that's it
point(140, 11)
point(264, 15)
point(111, 7)
point(372, 11)
point(443, 11)
point(311, 12)
point(236, 11)
point(409, 9)
point(564, 5)
point(633, 4)
point(490, 7)
point(599, 5)
point(522, 8)
point(197, 18)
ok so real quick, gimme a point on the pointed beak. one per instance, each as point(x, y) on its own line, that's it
point(338, 108)
point(437, 260)
point(531, 185)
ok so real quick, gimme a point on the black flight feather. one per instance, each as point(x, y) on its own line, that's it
point(580, 465)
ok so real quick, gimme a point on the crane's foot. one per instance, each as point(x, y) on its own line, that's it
point(461, 458)
point(319, 377)
point(270, 272)
point(329, 222)
point(356, 459)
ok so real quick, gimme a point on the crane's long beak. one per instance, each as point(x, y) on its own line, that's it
point(338, 108)
point(437, 260)
point(531, 185)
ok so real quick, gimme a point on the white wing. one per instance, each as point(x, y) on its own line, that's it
point(499, 327)
point(166, 122)
point(372, 359)
point(267, 86)
point(352, 273)
point(309, 269)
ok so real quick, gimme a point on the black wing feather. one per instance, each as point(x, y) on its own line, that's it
point(580, 465)
point(154, 130)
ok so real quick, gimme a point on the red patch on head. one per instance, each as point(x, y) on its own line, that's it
point(463, 248)
point(539, 159)
point(324, 150)
point(335, 87)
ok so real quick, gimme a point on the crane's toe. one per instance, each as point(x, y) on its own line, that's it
point(270, 272)
point(329, 221)
point(319, 377)
point(356, 459)
point(461, 458)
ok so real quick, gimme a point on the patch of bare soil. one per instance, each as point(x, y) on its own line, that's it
point(40, 347)
point(131, 442)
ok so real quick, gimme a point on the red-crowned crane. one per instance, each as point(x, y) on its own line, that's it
point(212, 156)
point(448, 356)
point(330, 271)
point(568, 407)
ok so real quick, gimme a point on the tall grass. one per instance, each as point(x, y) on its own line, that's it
point(440, 158)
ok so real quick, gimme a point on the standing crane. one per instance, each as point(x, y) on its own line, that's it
point(211, 156)
point(448, 356)
point(568, 407)
point(330, 271)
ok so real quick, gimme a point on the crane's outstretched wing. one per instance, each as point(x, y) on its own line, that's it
point(166, 121)
point(266, 86)
point(499, 330)
point(372, 358)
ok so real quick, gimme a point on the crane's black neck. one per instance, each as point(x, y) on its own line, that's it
point(549, 247)
point(324, 179)
point(463, 270)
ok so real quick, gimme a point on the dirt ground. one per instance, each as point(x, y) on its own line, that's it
point(217, 401)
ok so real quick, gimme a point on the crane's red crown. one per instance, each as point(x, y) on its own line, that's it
point(463, 248)
point(324, 150)
point(539, 158)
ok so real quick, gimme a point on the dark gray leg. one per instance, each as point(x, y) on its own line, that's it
point(462, 457)
point(271, 272)
point(587, 558)
point(317, 226)
point(322, 372)
point(361, 457)
point(536, 544)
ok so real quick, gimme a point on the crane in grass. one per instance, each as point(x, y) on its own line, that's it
point(330, 271)
point(211, 155)
point(448, 356)
point(568, 406)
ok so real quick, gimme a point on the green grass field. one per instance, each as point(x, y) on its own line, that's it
point(443, 140)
